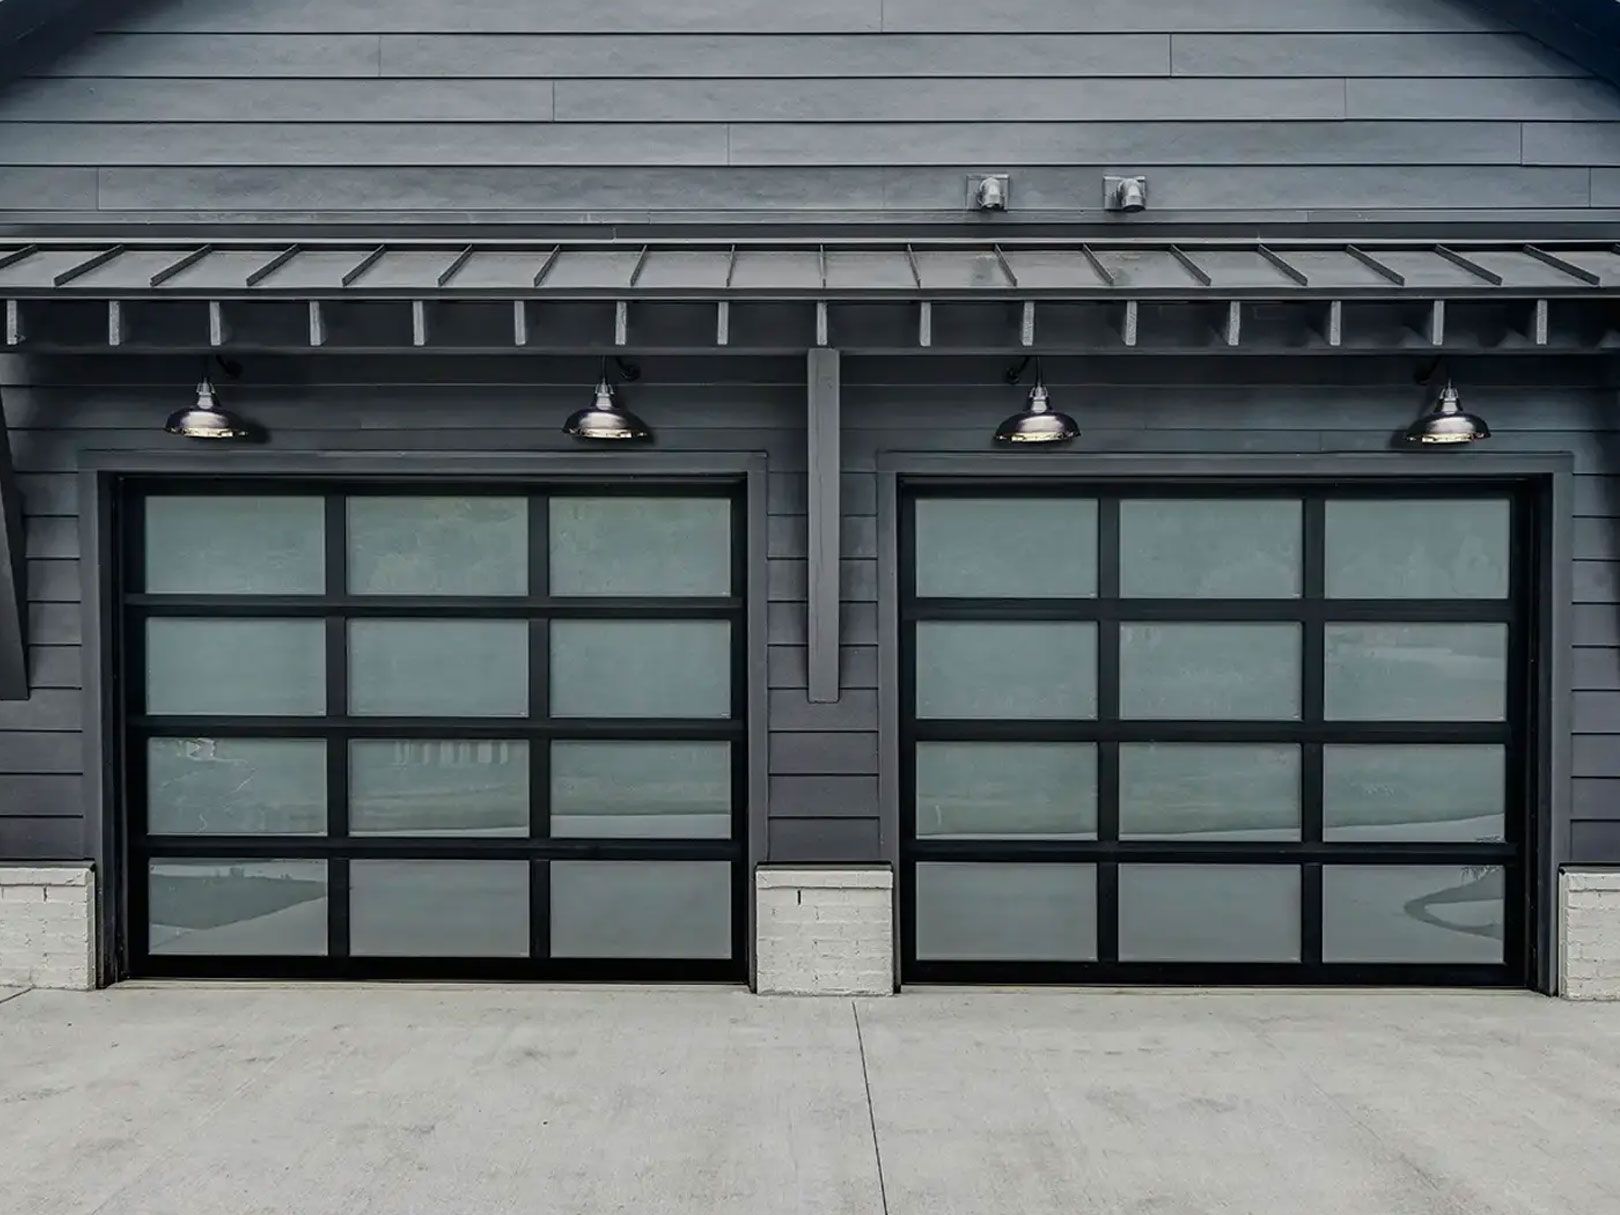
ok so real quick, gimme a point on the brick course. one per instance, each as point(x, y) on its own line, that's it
point(824, 931)
point(1589, 934)
point(47, 927)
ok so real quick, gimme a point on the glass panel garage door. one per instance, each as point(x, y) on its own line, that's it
point(1214, 735)
point(377, 730)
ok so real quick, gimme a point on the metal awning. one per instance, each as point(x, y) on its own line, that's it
point(849, 270)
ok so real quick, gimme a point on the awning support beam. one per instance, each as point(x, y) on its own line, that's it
point(824, 434)
point(13, 580)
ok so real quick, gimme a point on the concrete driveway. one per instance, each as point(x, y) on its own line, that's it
point(175, 1100)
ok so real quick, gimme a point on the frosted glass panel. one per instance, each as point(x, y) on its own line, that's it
point(1418, 549)
point(242, 668)
point(439, 668)
point(640, 909)
point(462, 786)
point(237, 907)
point(995, 790)
point(439, 909)
point(438, 546)
point(641, 546)
point(1412, 913)
point(1209, 913)
point(1209, 671)
point(1413, 792)
point(641, 790)
point(1209, 791)
point(1021, 548)
point(1416, 672)
point(234, 545)
point(983, 669)
point(1006, 912)
point(236, 786)
point(1209, 548)
point(640, 668)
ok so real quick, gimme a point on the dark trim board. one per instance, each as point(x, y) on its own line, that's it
point(101, 481)
point(1548, 477)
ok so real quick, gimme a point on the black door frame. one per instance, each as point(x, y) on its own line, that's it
point(102, 481)
point(1545, 482)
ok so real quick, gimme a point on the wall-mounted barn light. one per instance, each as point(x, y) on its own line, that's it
point(605, 420)
point(1447, 423)
point(207, 419)
point(1037, 422)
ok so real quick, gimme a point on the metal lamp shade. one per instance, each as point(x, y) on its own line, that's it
point(206, 420)
point(1037, 422)
point(605, 420)
point(1448, 424)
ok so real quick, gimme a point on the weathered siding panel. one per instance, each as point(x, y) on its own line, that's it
point(630, 111)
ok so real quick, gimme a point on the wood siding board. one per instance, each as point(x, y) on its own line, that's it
point(1528, 99)
point(951, 100)
point(823, 753)
point(827, 840)
point(503, 16)
point(1384, 55)
point(772, 56)
point(1250, 16)
point(1595, 843)
point(42, 839)
point(856, 709)
point(591, 191)
point(1167, 143)
point(823, 796)
point(39, 796)
point(209, 55)
point(1572, 143)
point(435, 144)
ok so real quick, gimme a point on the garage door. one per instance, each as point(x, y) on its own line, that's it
point(396, 731)
point(1219, 734)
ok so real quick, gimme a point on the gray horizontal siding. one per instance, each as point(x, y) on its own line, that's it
point(823, 758)
point(629, 110)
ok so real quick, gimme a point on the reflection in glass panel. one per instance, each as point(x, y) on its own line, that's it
point(1413, 792)
point(1209, 913)
point(1184, 672)
point(1418, 548)
point(971, 912)
point(1412, 913)
point(1415, 672)
point(1209, 791)
point(234, 545)
point(237, 907)
point(640, 546)
point(995, 790)
point(438, 546)
point(439, 668)
point(433, 786)
point(238, 668)
point(640, 909)
point(640, 668)
point(1210, 548)
point(1009, 670)
point(645, 790)
point(1029, 548)
point(439, 909)
point(236, 786)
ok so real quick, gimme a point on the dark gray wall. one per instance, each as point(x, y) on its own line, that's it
point(644, 110)
point(823, 757)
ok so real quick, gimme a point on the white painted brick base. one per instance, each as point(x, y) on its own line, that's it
point(1589, 934)
point(824, 931)
point(47, 927)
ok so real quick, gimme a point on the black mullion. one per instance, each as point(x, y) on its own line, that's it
point(539, 588)
point(337, 745)
point(1313, 660)
point(1370, 611)
point(1107, 872)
